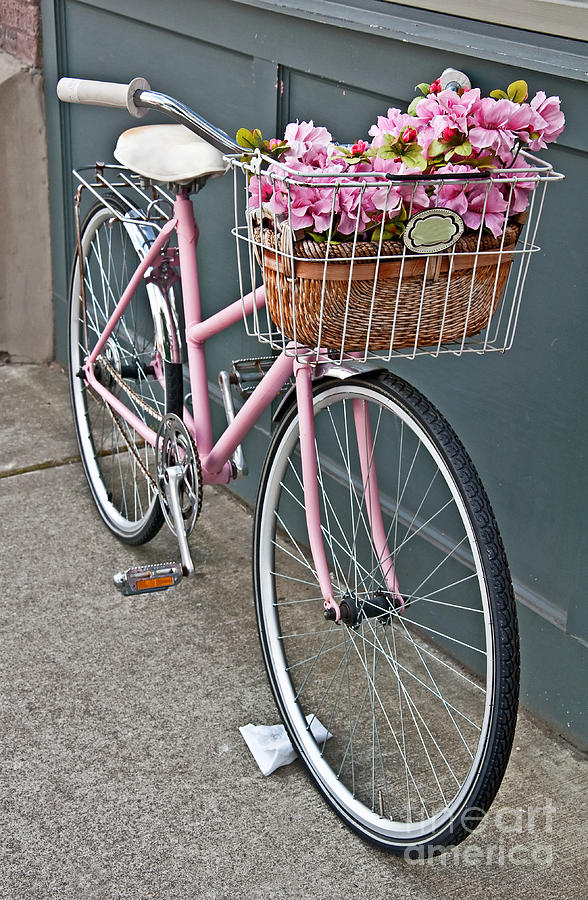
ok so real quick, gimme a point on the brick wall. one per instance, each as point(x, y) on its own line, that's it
point(20, 30)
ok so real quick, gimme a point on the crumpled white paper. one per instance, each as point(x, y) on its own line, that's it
point(271, 747)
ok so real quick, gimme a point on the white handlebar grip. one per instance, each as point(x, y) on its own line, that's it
point(103, 93)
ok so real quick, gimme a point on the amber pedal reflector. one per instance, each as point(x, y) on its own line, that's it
point(147, 584)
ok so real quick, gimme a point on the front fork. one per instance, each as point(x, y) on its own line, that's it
point(308, 453)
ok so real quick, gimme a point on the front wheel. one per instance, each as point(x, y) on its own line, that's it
point(416, 692)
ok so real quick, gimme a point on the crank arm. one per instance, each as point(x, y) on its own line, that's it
point(173, 478)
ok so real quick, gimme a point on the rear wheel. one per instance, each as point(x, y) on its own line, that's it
point(418, 705)
point(119, 463)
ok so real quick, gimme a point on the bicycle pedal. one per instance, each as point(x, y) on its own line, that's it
point(148, 579)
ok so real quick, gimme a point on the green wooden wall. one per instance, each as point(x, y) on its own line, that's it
point(262, 63)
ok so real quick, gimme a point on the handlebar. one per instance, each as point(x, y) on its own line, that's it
point(138, 98)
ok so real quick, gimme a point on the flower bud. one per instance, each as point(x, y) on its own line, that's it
point(449, 133)
point(409, 135)
point(359, 148)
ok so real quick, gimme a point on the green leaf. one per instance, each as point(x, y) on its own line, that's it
point(259, 141)
point(245, 139)
point(412, 106)
point(437, 148)
point(391, 148)
point(276, 151)
point(499, 95)
point(391, 230)
point(518, 91)
point(250, 140)
point(413, 157)
point(424, 88)
point(483, 162)
point(321, 237)
point(464, 149)
point(387, 152)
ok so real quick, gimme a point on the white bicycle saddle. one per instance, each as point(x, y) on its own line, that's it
point(170, 153)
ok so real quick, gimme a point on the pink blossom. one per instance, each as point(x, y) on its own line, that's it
point(548, 109)
point(409, 135)
point(456, 108)
point(517, 194)
point(359, 148)
point(260, 191)
point(393, 124)
point(306, 142)
point(412, 194)
point(303, 207)
point(452, 194)
point(445, 111)
point(498, 123)
point(488, 203)
point(355, 209)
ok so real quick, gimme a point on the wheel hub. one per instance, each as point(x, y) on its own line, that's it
point(380, 605)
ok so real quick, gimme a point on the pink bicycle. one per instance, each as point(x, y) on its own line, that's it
point(382, 591)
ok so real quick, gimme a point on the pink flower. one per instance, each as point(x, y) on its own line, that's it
point(452, 194)
point(449, 133)
point(260, 191)
point(445, 111)
point(548, 109)
point(457, 108)
point(409, 135)
point(306, 143)
point(498, 123)
point(485, 202)
point(394, 124)
point(354, 208)
point(359, 148)
point(517, 193)
point(412, 194)
point(303, 207)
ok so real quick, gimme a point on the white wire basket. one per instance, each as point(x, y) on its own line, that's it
point(436, 287)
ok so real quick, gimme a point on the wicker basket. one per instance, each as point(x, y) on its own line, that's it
point(418, 300)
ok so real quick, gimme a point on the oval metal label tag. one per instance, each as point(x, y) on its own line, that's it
point(433, 230)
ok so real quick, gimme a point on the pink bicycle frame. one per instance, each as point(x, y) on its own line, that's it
point(215, 457)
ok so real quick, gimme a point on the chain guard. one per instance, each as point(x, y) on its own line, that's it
point(174, 447)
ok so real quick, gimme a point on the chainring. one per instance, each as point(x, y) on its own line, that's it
point(174, 446)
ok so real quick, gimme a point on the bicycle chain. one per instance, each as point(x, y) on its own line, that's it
point(117, 419)
point(158, 417)
point(122, 383)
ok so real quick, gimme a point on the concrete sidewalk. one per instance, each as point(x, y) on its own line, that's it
point(123, 773)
